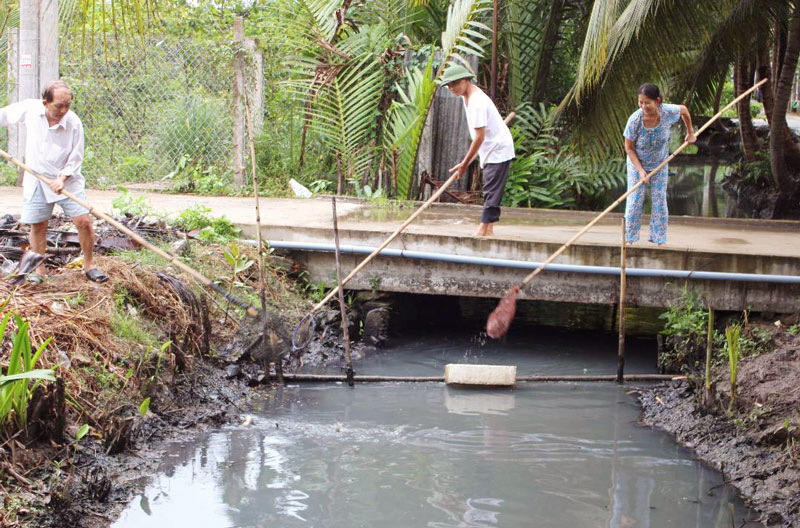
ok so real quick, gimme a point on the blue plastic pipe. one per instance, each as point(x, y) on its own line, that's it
point(521, 264)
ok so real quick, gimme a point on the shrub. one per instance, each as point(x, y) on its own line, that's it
point(21, 377)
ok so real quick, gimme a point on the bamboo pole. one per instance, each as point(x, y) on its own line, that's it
point(169, 257)
point(440, 379)
point(342, 308)
point(623, 286)
point(251, 142)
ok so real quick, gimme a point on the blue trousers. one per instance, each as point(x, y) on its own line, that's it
point(659, 215)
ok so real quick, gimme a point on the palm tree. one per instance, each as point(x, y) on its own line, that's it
point(345, 70)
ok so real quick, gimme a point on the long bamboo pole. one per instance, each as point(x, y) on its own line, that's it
point(251, 142)
point(630, 191)
point(342, 308)
point(623, 287)
point(435, 196)
point(364, 378)
point(169, 257)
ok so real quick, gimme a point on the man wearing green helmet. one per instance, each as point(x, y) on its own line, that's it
point(491, 141)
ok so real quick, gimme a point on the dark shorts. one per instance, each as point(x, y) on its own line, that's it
point(494, 183)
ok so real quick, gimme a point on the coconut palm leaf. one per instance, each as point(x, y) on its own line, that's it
point(650, 40)
point(747, 25)
point(406, 121)
point(523, 31)
point(345, 112)
point(462, 37)
point(595, 52)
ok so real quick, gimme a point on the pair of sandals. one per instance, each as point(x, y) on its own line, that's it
point(94, 275)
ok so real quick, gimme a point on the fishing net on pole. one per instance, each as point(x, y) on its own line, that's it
point(500, 319)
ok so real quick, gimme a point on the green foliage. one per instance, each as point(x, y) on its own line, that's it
point(728, 94)
point(685, 330)
point(794, 329)
point(732, 350)
point(406, 121)
point(144, 408)
point(76, 300)
point(366, 192)
point(127, 204)
point(321, 186)
point(82, 431)
point(545, 174)
point(21, 377)
point(239, 262)
point(126, 323)
point(193, 177)
point(190, 126)
point(315, 291)
point(217, 230)
point(8, 174)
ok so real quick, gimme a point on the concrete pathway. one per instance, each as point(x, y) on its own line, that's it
point(294, 218)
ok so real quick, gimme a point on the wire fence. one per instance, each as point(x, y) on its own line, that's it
point(154, 112)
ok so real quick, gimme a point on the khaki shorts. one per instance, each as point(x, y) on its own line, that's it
point(37, 209)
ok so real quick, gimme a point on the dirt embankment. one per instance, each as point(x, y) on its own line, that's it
point(142, 358)
point(757, 445)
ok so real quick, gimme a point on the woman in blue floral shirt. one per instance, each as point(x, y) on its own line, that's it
point(647, 145)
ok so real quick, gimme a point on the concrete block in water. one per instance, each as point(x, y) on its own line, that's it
point(503, 375)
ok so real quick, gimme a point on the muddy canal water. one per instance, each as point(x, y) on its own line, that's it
point(406, 455)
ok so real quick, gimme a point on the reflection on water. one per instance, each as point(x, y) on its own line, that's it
point(695, 188)
point(407, 455)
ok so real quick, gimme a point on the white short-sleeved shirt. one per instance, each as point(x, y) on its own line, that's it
point(498, 145)
point(49, 150)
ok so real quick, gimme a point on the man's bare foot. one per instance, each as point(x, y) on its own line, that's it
point(485, 230)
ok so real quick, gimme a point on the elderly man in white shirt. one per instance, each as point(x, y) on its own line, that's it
point(54, 148)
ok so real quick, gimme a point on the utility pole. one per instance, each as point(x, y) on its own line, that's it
point(33, 59)
point(238, 96)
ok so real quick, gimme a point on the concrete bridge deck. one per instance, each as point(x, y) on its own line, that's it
point(700, 244)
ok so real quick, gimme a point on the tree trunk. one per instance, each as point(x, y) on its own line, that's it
point(741, 81)
point(546, 51)
point(780, 173)
point(791, 149)
point(720, 88)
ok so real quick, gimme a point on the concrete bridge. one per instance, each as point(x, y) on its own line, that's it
point(695, 244)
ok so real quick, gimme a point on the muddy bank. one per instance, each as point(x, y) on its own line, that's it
point(139, 360)
point(757, 446)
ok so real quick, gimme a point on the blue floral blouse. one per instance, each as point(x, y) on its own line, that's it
point(652, 144)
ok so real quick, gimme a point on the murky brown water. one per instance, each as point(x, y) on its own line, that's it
point(407, 455)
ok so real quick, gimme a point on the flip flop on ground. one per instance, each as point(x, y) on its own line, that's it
point(96, 275)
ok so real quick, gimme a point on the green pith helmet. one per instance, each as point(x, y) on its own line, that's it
point(455, 72)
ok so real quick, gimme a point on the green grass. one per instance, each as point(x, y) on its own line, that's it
point(128, 325)
point(8, 174)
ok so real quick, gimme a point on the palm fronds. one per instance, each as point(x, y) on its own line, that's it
point(525, 20)
point(545, 174)
point(345, 110)
point(462, 37)
point(406, 121)
point(650, 41)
